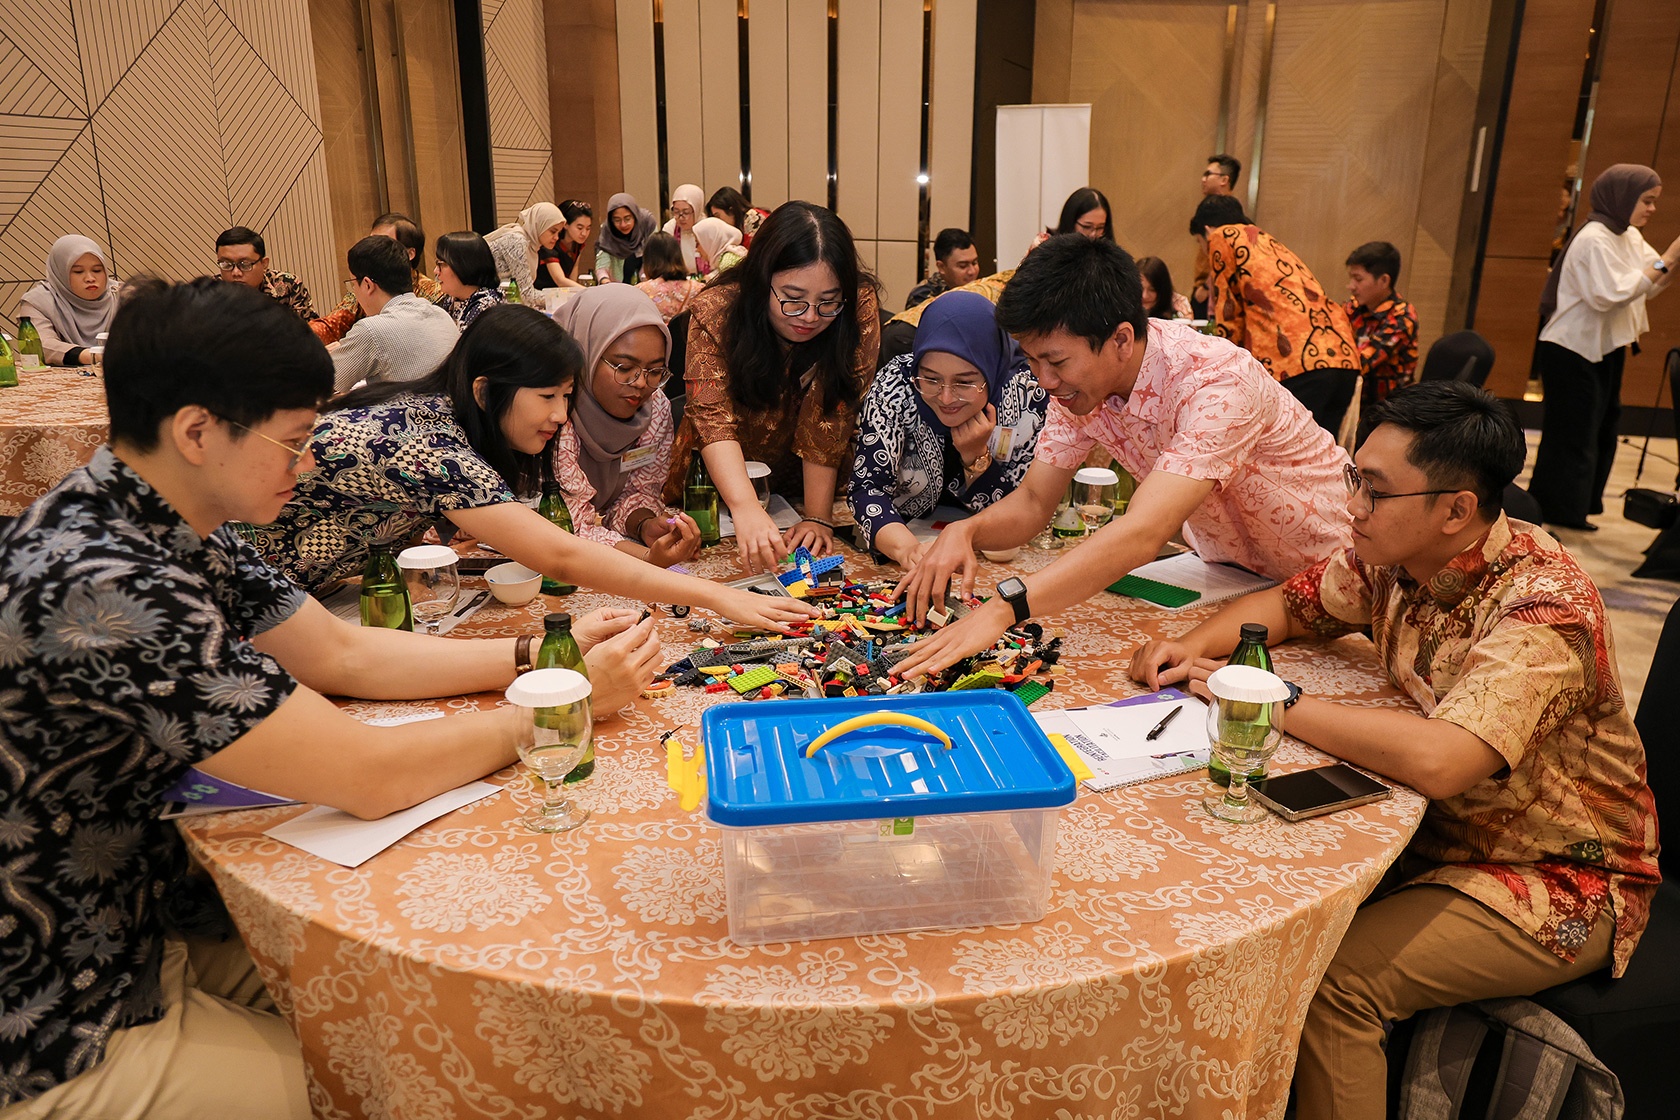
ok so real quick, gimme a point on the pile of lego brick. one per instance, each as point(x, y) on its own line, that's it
point(853, 648)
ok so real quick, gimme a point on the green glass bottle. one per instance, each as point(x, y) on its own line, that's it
point(29, 352)
point(8, 364)
point(700, 500)
point(385, 599)
point(1124, 488)
point(559, 650)
point(513, 291)
point(1251, 650)
point(553, 507)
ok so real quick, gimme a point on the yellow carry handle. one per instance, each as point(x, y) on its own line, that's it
point(875, 719)
point(686, 777)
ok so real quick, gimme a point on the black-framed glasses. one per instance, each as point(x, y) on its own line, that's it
point(297, 452)
point(1366, 499)
point(240, 267)
point(651, 376)
point(961, 392)
point(794, 308)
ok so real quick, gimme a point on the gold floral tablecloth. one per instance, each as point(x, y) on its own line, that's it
point(50, 423)
point(477, 969)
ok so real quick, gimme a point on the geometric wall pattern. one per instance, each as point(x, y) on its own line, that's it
point(153, 125)
point(516, 81)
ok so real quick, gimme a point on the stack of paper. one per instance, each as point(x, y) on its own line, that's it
point(1187, 580)
point(1113, 739)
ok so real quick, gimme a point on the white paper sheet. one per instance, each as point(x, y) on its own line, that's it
point(349, 841)
point(1114, 742)
point(923, 528)
point(784, 515)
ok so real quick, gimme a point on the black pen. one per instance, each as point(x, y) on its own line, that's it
point(1162, 726)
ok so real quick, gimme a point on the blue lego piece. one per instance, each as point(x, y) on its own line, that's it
point(826, 564)
point(893, 611)
point(788, 579)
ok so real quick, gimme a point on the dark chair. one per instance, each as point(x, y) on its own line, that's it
point(678, 361)
point(897, 338)
point(1632, 1024)
point(1460, 356)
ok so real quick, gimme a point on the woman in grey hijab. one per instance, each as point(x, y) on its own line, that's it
point(612, 456)
point(623, 235)
point(1593, 308)
point(74, 304)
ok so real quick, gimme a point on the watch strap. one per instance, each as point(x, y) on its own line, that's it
point(1294, 695)
point(522, 654)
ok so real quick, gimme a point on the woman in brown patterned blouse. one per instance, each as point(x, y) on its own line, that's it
point(781, 349)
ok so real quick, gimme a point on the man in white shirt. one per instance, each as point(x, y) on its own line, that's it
point(403, 337)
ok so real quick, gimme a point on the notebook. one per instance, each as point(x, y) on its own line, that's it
point(1112, 739)
point(1187, 580)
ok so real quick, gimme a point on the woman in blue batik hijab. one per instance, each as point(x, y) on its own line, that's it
point(926, 430)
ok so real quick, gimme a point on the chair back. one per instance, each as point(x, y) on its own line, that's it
point(678, 358)
point(1659, 709)
point(1460, 356)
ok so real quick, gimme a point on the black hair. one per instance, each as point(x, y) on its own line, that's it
point(1378, 258)
point(468, 256)
point(1462, 436)
point(227, 348)
point(572, 209)
point(1229, 166)
point(1080, 203)
point(242, 235)
point(662, 258)
point(384, 261)
point(762, 375)
point(949, 241)
point(408, 234)
point(1155, 270)
point(732, 200)
point(1086, 286)
point(1217, 210)
point(514, 347)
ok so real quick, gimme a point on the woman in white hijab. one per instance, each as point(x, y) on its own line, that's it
point(687, 205)
point(720, 242)
point(74, 304)
point(515, 245)
point(612, 456)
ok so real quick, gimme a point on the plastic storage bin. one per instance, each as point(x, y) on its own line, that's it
point(885, 828)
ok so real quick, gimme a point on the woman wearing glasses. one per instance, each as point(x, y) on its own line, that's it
point(612, 458)
point(780, 351)
point(926, 429)
point(455, 448)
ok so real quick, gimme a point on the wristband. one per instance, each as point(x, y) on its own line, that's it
point(522, 654)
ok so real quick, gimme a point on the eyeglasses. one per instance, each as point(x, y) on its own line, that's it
point(1091, 229)
point(240, 267)
point(1365, 499)
point(297, 452)
point(651, 376)
point(963, 392)
point(794, 308)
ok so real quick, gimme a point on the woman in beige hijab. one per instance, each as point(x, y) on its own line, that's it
point(515, 245)
point(687, 206)
point(720, 242)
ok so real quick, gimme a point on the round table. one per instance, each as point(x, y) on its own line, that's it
point(477, 969)
point(50, 423)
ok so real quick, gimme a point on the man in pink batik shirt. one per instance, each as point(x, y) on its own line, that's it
point(1215, 444)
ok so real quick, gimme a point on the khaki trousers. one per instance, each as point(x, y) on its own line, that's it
point(218, 1052)
point(1421, 947)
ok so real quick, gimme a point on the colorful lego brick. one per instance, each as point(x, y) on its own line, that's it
point(826, 564)
point(756, 677)
point(1030, 691)
point(985, 678)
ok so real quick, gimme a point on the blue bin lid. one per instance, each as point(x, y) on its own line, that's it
point(757, 773)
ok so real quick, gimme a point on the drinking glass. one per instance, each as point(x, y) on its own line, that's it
point(760, 475)
point(434, 582)
point(1243, 730)
point(1048, 539)
point(555, 714)
point(1093, 496)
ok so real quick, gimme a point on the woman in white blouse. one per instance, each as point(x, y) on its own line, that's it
point(1593, 307)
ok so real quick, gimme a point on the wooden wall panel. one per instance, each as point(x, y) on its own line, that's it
point(899, 126)
point(684, 123)
point(516, 78)
point(807, 101)
point(108, 105)
point(859, 115)
point(1508, 316)
point(434, 100)
point(638, 121)
point(767, 49)
point(584, 101)
point(720, 95)
point(347, 143)
point(951, 120)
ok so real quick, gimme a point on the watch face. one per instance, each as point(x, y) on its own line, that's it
point(1011, 587)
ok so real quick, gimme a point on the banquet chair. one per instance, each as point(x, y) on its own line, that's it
point(1460, 356)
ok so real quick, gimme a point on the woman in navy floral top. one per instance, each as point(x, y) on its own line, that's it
point(466, 270)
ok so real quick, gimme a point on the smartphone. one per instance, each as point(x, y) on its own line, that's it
point(478, 565)
point(1312, 793)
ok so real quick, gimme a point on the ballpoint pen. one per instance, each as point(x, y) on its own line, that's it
point(1155, 732)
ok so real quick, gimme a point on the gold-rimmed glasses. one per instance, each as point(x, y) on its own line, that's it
point(297, 452)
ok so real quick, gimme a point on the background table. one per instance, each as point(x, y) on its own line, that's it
point(481, 970)
point(50, 423)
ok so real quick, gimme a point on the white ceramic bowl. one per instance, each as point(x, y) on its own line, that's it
point(513, 584)
point(1002, 557)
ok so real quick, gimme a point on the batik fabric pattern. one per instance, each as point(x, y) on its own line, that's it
point(989, 286)
point(642, 482)
point(1387, 338)
point(126, 658)
point(382, 476)
point(899, 474)
point(336, 323)
point(1510, 642)
point(289, 290)
point(1203, 409)
point(1263, 298)
point(466, 310)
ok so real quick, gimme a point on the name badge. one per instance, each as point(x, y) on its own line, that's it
point(638, 456)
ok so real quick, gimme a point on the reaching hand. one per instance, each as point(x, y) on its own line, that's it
point(980, 630)
point(1161, 663)
point(817, 539)
point(597, 626)
point(762, 612)
point(924, 586)
point(672, 543)
point(623, 665)
point(760, 542)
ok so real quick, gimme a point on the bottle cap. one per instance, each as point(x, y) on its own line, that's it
point(757, 470)
point(558, 622)
point(1096, 476)
point(1248, 685)
point(548, 688)
point(426, 556)
point(1255, 632)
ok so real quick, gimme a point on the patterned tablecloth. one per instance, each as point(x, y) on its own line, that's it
point(50, 424)
point(479, 970)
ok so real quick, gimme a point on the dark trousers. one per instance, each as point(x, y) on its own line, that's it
point(1326, 394)
point(1577, 432)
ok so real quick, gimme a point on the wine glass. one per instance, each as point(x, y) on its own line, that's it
point(554, 704)
point(1093, 496)
point(434, 582)
point(760, 475)
point(1243, 729)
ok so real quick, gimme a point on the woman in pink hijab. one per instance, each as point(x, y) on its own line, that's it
point(1593, 308)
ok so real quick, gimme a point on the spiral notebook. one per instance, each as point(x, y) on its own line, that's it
point(1112, 739)
point(1186, 580)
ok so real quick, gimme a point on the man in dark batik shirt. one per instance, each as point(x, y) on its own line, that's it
point(1384, 325)
point(139, 637)
point(242, 258)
